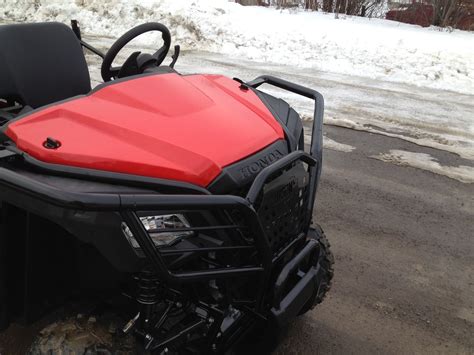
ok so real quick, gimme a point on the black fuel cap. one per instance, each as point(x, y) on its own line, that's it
point(51, 143)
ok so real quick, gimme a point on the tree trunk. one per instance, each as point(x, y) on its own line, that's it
point(249, 2)
point(311, 4)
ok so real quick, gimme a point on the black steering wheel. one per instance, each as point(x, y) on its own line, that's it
point(137, 60)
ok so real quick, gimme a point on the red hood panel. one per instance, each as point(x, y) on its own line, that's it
point(184, 128)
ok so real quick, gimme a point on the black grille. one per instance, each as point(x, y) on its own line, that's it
point(282, 206)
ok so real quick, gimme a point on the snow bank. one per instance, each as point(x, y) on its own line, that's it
point(357, 46)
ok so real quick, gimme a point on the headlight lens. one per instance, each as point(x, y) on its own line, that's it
point(155, 226)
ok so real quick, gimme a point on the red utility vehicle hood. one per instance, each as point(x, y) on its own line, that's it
point(184, 128)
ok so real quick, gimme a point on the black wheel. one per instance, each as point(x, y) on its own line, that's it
point(327, 265)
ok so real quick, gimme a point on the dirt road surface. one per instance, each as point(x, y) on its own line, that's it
point(404, 248)
point(403, 238)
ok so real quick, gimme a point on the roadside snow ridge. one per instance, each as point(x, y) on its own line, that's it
point(350, 45)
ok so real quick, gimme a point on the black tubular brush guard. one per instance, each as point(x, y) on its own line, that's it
point(15, 184)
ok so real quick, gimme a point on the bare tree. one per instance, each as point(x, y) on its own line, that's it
point(443, 13)
point(454, 13)
point(287, 3)
point(451, 12)
point(328, 5)
point(250, 2)
point(311, 4)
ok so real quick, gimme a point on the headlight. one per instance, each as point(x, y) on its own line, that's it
point(155, 224)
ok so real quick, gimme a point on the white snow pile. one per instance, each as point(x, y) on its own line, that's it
point(357, 46)
point(424, 161)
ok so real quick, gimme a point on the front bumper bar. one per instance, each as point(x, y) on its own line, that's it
point(287, 306)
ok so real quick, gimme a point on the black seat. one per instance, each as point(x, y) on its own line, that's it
point(41, 63)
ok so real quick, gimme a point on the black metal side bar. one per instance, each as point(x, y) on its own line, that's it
point(206, 250)
point(77, 31)
point(198, 229)
point(92, 49)
point(317, 131)
point(265, 174)
point(316, 148)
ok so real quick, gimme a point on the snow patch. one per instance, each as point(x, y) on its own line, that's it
point(328, 143)
point(349, 45)
point(333, 145)
point(460, 142)
point(427, 162)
